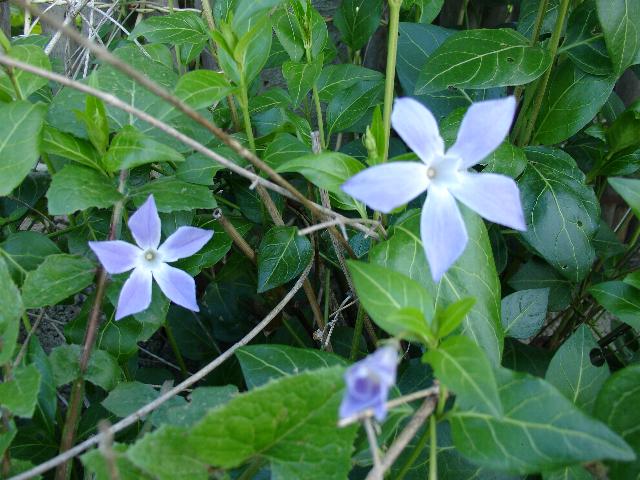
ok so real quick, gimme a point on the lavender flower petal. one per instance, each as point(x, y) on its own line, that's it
point(388, 186)
point(184, 242)
point(135, 295)
point(442, 230)
point(417, 127)
point(145, 225)
point(116, 256)
point(494, 197)
point(484, 127)
point(177, 285)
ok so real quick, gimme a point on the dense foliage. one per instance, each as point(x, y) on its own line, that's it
point(244, 119)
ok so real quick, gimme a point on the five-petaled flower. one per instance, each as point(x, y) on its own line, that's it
point(149, 260)
point(368, 383)
point(446, 177)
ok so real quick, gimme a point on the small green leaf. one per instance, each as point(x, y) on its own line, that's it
point(482, 58)
point(620, 299)
point(629, 189)
point(282, 256)
point(410, 324)
point(130, 149)
point(357, 20)
point(464, 368)
point(175, 29)
point(20, 141)
point(536, 274)
point(55, 142)
point(572, 372)
point(283, 148)
point(447, 320)
point(20, 393)
point(383, 292)
point(620, 20)
point(524, 312)
point(202, 88)
point(584, 43)
point(26, 82)
point(252, 51)
point(77, 188)
point(262, 363)
point(300, 78)
point(55, 279)
point(103, 370)
point(173, 195)
point(350, 104)
point(335, 78)
point(10, 312)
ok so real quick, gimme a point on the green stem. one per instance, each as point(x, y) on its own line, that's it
point(417, 450)
point(4, 42)
point(433, 449)
point(176, 350)
point(316, 101)
point(537, 26)
point(463, 11)
point(244, 103)
point(389, 83)
point(554, 42)
point(357, 333)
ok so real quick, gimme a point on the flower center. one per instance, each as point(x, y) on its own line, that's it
point(431, 173)
point(149, 255)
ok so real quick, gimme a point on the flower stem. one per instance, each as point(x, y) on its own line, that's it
point(554, 42)
point(433, 449)
point(389, 83)
point(244, 104)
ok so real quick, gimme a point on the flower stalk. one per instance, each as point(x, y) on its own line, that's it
point(389, 83)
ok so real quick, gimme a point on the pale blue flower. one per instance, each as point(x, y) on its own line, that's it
point(445, 176)
point(148, 259)
point(368, 383)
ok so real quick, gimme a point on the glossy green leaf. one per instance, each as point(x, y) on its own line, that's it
point(482, 59)
point(198, 169)
point(10, 312)
point(284, 147)
point(623, 135)
point(55, 279)
point(524, 312)
point(540, 430)
point(282, 256)
point(571, 101)
point(575, 472)
point(335, 78)
point(173, 195)
point(562, 213)
point(633, 279)
point(202, 88)
point(572, 372)
point(19, 394)
point(473, 275)
point(55, 142)
point(620, 299)
point(463, 367)
point(428, 10)
point(246, 12)
point(77, 188)
point(629, 189)
point(538, 274)
point(350, 104)
point(252, 51)
point(262, 363)
point(448, 320)
point(19, 142)
point(103, 369)
point(175, 28)
point(357, 20)
point(27, 83)
point(620, 20)
point(96, 463)
point(616, 406)
point(383, 292)
point(289, 32)
point(300, 78)
point(529, 12)
point(131, 148)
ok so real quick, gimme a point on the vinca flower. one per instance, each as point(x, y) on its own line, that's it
point(148, 260)
point(445, 176)
point(368, 383)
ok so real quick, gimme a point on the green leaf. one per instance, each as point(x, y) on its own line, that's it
point(584, 43)
point(575, 472)
point(623, 136)
point(282, 256)
point(410, 323)
point(202, 88)
point(428, 9)
point(473, 275)
point(131, 148)
point(629, 190)
point(252, 51)
point(357, 20)
point(198, 169)
point(524, 312)
point(27, 82)
point(350, 104)
point(175, 29)
point(449, 319)
point(540, 430)
point(481, 59)
point(11, 310)
point(283, 148)
point(247, 11)
point(103, 369)
point(463, 367)
point(633, 279)
point(55, 279)
point(19, 142)
point(328, 170)
point(571, 101)
point(77, 188)
point(620, 20)
point(572, 372)
point(262, 363)
point(96, 463)
point(20, 394)
point(55, 142)
point(96, 123)
point(173, 195)
point(617, 407)
point(300, 78)
point(384, 291)
point(289, 33)
point(537, 274)
point(562, 212)
point(620, 299)
point(201, 401)
point(529, 12)
point(335, 78)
